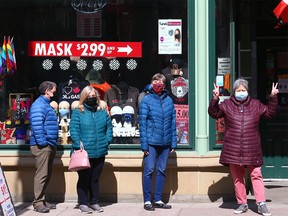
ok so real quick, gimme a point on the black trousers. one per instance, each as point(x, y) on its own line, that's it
point(88, 182)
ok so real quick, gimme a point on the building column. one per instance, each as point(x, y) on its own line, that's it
point(201, 76)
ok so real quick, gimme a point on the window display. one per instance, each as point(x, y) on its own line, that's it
point(117, 50)
point(223, 60)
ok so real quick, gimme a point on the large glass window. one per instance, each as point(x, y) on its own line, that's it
point(159, 26)
point(221, 26)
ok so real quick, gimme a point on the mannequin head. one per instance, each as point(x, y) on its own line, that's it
point(55, 106)
point(64, 109)
point(74, 105)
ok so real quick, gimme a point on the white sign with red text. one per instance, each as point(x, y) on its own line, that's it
point(170, 36)
point(7, 207)
point(182, 123)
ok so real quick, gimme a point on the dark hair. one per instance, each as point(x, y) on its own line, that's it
point(159, 76)
point(46, 85)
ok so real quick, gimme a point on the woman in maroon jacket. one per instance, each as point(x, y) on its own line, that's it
point(242, 146)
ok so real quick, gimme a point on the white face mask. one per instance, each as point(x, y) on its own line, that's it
point(242, 95)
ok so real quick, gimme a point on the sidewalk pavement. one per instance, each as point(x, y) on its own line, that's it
point(136, 209)
point(276, 195)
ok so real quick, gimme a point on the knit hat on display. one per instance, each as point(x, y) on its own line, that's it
point(128, 110)
point(94, 77)
point(116, 110)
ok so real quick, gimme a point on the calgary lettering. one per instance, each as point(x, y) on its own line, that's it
point(51, 49)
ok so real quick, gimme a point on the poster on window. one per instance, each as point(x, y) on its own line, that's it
point(220, 124)
point(182, 123)
point(169, 36)
point(20, 104)
point(7, 207)
point(283, 85)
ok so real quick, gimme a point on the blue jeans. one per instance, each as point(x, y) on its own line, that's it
point(158, 155)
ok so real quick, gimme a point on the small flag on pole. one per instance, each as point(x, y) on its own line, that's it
point(3, 57)
point(13, 53)
point(9, 57)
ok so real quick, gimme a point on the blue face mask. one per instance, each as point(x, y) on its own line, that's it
point(63, 112)
point(242, 95)
point(127, 117)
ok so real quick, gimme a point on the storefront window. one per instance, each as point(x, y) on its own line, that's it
point(158, 28)
point(222, 63)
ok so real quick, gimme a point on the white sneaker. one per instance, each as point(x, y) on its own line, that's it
point(262, 209)
point(96, 207)
point(241, 209)
point(85, 209)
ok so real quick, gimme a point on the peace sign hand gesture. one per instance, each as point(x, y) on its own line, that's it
point(274, 90)
point(216, 92)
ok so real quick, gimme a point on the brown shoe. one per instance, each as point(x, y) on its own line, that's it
point(41, 209)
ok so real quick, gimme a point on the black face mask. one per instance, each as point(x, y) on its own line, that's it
point(92, 101)
point(177, 36)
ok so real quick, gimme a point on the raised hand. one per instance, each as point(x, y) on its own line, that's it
point(216, 92)
point(274, 90)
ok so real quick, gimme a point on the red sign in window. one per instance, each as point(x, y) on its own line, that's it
point(85, 49)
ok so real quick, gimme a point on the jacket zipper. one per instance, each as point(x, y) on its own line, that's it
point(242, 125)
point(162, 119)
point(95, 129)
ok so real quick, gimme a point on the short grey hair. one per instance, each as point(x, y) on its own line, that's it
point(239, 82)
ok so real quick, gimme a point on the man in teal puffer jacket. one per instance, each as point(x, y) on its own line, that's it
point(43, 143)
point(157, 120)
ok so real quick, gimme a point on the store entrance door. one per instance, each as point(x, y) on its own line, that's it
point(272, 62)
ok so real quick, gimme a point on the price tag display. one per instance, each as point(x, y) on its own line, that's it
point(85, 49)
point(182, 123)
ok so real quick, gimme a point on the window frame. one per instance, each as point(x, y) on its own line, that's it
point(191, 103)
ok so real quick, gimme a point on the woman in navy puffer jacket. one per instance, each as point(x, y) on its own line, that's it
point(157, 120)
point(91, 124)
point(242, 146)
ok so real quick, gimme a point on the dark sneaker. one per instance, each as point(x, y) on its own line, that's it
point(149, 207)
point(241, 209)
point(50, 205)
point(162, 205)
point(96, 207)
point(262, 209)
point(85, 209)
point(42, 209)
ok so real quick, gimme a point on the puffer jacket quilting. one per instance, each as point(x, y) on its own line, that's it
point(43, 123)
point(157, 120)
point(242, 143)
point(93, 128)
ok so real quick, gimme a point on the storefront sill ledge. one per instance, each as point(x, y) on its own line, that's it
point(117, 160)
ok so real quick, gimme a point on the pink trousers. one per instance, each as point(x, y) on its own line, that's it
point(238, 173)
